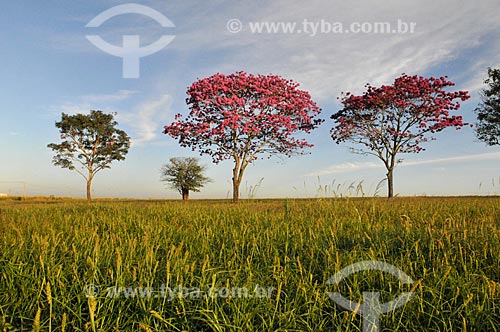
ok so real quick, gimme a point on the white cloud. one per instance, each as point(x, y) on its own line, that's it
point(146, 119)
point(457, 159)
point(85, 103)
point(351, 167)
point(78, 107)
point(327, 64)
point(120, 95)
point(478, 73)
point(346, 167)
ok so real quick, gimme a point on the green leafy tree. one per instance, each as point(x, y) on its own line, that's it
point(184, 175)
point(90, 142)
point(488, 112)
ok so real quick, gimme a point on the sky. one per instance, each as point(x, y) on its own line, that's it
point(49, 67)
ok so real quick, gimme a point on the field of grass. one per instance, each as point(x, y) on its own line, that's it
point(205, 252)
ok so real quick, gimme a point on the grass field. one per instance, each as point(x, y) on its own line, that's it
point(187, 266)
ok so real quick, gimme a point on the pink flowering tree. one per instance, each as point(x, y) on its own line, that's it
point(397, 118)
point(242, 116)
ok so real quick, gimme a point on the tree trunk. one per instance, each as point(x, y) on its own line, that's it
point(236, 190)
point(237, 173)
point(89, 184)
point(185, 194)
point(390, 184)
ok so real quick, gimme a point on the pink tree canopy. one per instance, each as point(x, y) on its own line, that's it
point(241, 116)
point(397, 118)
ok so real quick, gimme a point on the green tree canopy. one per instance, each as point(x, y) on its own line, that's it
point(488, 112)
point(184, 175)
point(90, 142)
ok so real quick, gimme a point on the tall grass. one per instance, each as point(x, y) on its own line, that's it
point(50, 251)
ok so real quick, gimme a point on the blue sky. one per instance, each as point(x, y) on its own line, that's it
point(50, 67)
